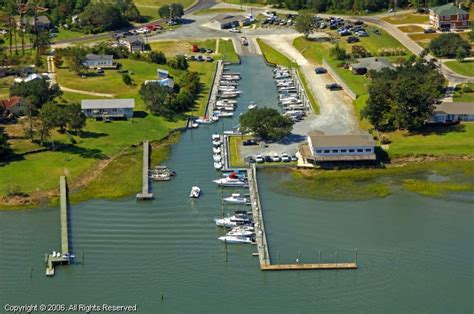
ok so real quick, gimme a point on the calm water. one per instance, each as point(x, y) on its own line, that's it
point(415, 253)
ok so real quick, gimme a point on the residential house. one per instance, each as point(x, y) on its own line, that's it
point(135, 43)
point(223, 21)
point(29, 78)
point(453, 112)
point(448, 17)
point(365, 65)
point(94, 61)
point(42, 22)
point(163, 82)
point(108, 108)
point(339, 148)
point(14, 105)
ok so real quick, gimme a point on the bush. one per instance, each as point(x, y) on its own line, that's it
point(339, 53)
point(467, 89)
point(15, 191)
point(448, 45)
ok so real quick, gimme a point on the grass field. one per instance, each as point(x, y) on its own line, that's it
point(460, 95)
point(410, 18)
point(234, 147)
point(411, 29)
point(434, 141)
point(227, 51)
point(424, 39)
point(253, 3)
point(5, 84)
point(217, 11)
point(67, 34)
point(172, 48)
point(275, 57)
point(465, 68)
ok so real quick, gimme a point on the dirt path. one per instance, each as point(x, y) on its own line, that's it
point(336, 109)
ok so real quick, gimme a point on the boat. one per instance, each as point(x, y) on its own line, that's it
point(216, 150)
point(227, 102)
point(194, 125)
point(228, 181)
point(230, 77)
point(195, 192)
point(239, 219)
point(204, 120)
point(236, 239)
point(160, 177)
point(236, 198)
point(224, 114)
point(217, 158)
point(225, 108)
point(215, 137)
point(216, 143)
point(241, 232)
point(252, 105)
point(229, 95)
point(217, 165)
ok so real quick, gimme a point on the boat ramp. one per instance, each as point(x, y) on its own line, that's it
point(63, 257)
point(145, 194)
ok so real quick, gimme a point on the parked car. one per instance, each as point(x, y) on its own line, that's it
point(209, 50)
point(294, 158)
point(362, 34)
point(268, 158)
point(333, 86)
point(249, 159)
point(249, 142)
point(195, 48)
point(192, 58)
point(202, 50)
point(209, 59)
point(358, 23)
point(200, 58)
point(237, 30)
point(352, 39)
point(259, 159)
point(429, 31)
point(276, 158)
point(345, 33)
point(285, 157)
point(320, 70)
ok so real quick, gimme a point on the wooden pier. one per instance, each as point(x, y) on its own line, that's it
point(211, 103)
point(261, 239)
point(63, 257)
point(145, 194)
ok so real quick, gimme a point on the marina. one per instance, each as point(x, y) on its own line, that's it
point(408, 239)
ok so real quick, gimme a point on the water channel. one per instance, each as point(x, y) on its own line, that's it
point(414, 253)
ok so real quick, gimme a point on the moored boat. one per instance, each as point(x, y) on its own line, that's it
point(236, 198)
point(195, 192)
point(236, 239)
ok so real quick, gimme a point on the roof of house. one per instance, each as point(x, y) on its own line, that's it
point(11, 102)
point(162, 71)
point(373, 63)
point(134, 39)
point(107, 103)
point(448, 9)
point(455, 108)
point(351, 140)
point(42, 19)
point(226, 18)
point(94, 57)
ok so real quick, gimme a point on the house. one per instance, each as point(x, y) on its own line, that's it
point(135, 43)
point(163, 82)
point(162, 74)
point(42, 22)
point(94, 61)
point(337, 148)
point(452, 112)
point(365, 65)
point(14, 105)
point(449, 16)
point(108, 108)
point(29, 78)
point(223, 21)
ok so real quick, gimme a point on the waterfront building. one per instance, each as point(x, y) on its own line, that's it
point(108, 108)
point(448, 17)
point(453, 112)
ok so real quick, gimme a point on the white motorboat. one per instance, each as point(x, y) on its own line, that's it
point(160, 177)
point(227, 102)
point(225, 114)
point(216, 150)
point(217, 165)
point(252, 105)
point(236, 198)
point(217, 158)
point(229, 95)
point(230, 77)
point(225, 108)
point(236, 239)
point(215, 137)
point(204, 120)
point(239, 219)
point(215, 118)
point(195, 192)
point(238, 232)
point(216, 143)
point(228, 181)
point(195, 125)
point(228, 88)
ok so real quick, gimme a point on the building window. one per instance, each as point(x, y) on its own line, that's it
point(360, 150)
point(351, 150)
point(318, 151)
point(326, 151)
point(335, 150)
point(343, 150)
point(368, 150)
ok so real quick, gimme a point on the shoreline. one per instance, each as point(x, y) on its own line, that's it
point(81, 190)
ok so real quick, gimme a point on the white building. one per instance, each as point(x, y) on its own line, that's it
point(108, 108)
point(94, 61)
point(352, 147)
point(452, 112)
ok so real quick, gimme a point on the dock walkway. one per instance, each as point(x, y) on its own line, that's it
point(145, 194)
point(261, 239)
point(211, 104)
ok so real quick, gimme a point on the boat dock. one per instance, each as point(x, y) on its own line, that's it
point(145, 194)
point(63, 257)
point(211, 103)
point(301, 90)
point(261, 239)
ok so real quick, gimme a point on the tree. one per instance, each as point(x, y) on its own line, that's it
point(75, 58)
point(76, 119)
point(157, 57)
point(38, 91)
point(191, 83)
point(447, 45)
point(403, 98)
point(175, 9)
point(305, 24)
point(48, 119)
point(100, 17)
point(127, 79)
point(58, 61)
point(4, 146)
point(338, 53)
point(179, 62)
point(266, 123)
point(158, 99)
point(461, 54)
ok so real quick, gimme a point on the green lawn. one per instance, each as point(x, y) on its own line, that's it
point(410, 18)
point(234, 150)
point(253, 3)
point(227, 51)
point(173, 48)
point(5, 84)
point(435, 141)
point(217, 11)
point(462, 96)
point(67, 34)
point(465, 68)
point(275, 57)
point(411, 29)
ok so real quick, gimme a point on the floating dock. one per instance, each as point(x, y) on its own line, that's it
point(261, 239)
point(145, 194)
point(63, 257)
